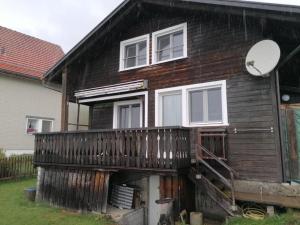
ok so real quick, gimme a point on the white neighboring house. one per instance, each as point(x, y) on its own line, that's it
point(26, 106)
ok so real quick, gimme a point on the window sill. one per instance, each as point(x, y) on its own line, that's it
point(133, 68)
point(169, 60)
point(208, 125)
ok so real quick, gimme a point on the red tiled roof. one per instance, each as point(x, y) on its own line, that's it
point(26, 55)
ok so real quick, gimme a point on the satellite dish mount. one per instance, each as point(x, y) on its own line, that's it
point(262, 58)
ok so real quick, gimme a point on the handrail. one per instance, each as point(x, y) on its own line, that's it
point(232, 172)
point(153, 148)
point(237, 130)
point(224, 180)
point(218, 160)
point(114, 130)
point(208, 182)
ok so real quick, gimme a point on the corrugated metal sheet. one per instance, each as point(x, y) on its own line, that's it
point(122, 196)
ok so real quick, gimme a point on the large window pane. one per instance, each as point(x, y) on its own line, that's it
point(178, 44)
point(129, 116)
point(142, 53)
point(214, 97)
point(46, 126)
point(130, 56)
point(171, 110)
point(135, 116)
point(196, 106)
point(124, 117)
point(163, 47)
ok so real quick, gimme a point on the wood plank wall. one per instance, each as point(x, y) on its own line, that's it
point(217, 46)
point(180, 189)
point(76, 189)
point(102, 116)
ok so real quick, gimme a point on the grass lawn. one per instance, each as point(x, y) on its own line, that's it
point(292, 218)
point(16, 210)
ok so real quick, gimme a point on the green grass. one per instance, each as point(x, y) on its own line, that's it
point(15, 209)
point(291, 218)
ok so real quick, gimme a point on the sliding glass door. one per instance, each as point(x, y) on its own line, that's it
point(128, 114)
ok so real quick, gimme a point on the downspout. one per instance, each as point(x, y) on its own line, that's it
point(285, 171)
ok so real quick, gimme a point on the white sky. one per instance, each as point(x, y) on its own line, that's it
point(64, 22)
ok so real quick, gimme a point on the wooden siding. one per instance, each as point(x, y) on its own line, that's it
point(180, 189)
point(217, 45)
point(73, 188)
point(102, 116)
point(253, 151)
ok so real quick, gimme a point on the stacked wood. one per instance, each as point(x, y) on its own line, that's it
point(76, 189)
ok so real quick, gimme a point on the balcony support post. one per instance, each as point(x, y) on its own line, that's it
point(64, 102)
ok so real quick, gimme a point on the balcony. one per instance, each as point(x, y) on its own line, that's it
point(154, 149)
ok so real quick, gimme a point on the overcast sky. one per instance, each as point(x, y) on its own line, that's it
point(64, 22)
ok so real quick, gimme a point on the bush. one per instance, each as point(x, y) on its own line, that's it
point(2, 154)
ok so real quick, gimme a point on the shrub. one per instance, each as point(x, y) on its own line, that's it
point(2, 154)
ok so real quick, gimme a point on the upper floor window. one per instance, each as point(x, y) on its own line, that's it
point(169, 44)
point(134, 53)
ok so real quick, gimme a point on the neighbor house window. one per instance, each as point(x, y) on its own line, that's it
point(134, 53)
point(169, 44)
point(202, 104)
point(37, 125)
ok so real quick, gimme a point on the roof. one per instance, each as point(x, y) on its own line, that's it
point(251, 5)
point(25, 55)
point(264, 8)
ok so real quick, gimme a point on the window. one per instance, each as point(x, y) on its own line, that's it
point(205, 106)
point(134, 53)
point(192, 105)
point(36, 125)
point(171, 102)
point(169, 44)
point(128, 114)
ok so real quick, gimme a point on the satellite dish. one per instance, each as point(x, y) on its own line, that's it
point(262, 58)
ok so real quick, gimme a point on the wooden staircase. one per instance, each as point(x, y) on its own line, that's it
point(214, 183)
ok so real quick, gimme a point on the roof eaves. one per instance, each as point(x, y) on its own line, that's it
point(251, 5)
point(19, 75)
point(90, 34)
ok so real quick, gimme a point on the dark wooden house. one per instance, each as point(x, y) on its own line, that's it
point(174, 111)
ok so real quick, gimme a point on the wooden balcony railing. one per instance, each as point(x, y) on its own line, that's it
point(141, 149)
point(215, 140)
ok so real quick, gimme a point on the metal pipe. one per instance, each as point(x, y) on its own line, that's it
point(289, 56)
point(236, 130)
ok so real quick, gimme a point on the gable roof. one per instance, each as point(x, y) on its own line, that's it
point(267, 10)
point(25, 55)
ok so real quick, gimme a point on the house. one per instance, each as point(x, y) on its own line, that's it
point(26, 105)
point(174, 111)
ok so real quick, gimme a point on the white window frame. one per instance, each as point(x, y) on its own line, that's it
point(122, 103)
point(160, 106)
point(167, 31)
point(185, 90)
point(40, 124)
point(131, 41)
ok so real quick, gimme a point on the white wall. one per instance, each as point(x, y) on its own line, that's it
point(153, 208)
point(20, 98)
point(83, 117)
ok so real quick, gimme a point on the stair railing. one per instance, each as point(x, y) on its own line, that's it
point(232, 172)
